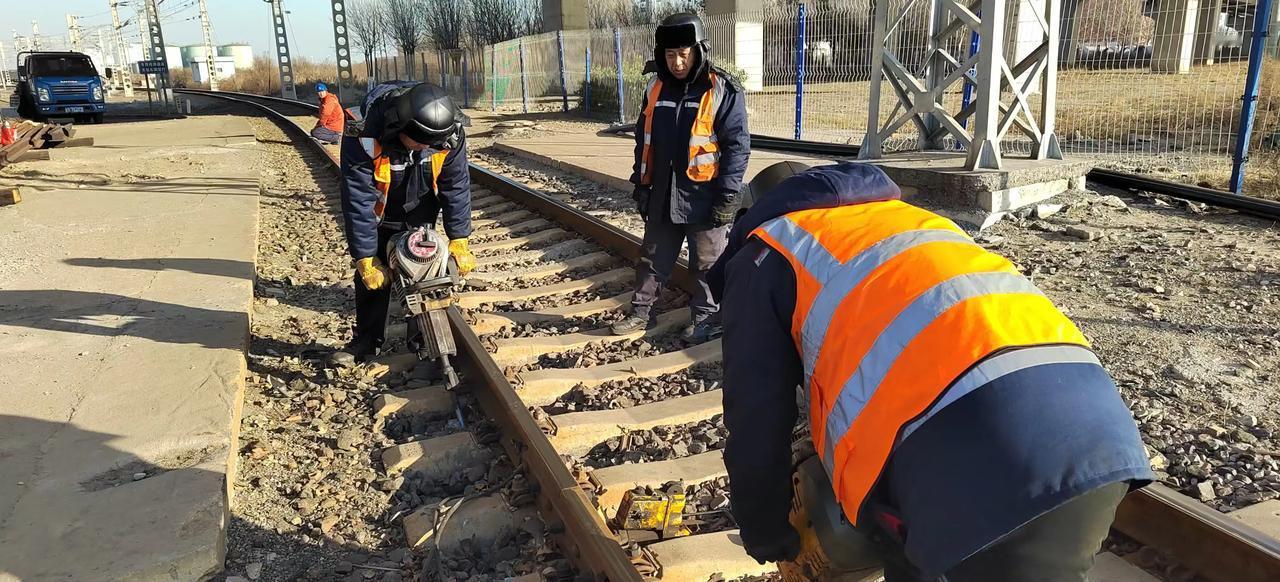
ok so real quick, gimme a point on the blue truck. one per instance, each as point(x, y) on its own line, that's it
point(59, 84)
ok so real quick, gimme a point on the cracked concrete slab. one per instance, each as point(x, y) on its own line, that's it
point(126, 278)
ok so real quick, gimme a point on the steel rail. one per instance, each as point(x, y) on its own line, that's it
point(1216, 546)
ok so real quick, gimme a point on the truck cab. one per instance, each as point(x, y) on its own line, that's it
point(59, 84)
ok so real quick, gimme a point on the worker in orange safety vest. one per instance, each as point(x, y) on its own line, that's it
point(958, 420)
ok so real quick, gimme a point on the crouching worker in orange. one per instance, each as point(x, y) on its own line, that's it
point(961, 428)
point(329, 128)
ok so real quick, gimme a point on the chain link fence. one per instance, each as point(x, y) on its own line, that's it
point(1147, 86)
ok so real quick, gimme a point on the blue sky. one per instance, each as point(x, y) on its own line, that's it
point(310, 30)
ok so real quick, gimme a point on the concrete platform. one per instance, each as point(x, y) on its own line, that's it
point(934, 180)
point(938, 181)
point(126, 279)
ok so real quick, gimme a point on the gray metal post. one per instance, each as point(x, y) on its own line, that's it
point(73, 33)
point(35, 35)
point(564, 82)
point(1048, 147)
point(871, 144)
point(343, 49)
point(493, 77)
point(444, 79)
point(524, 85)
point(287, 89)
point(617, 61)
point(586, 88)
point(466, 81)
point(800, 55)
point(984, 153)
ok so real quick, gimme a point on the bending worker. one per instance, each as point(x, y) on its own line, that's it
point(959, 419)
point(403, 164)
point(692, 146)
point(329, 128)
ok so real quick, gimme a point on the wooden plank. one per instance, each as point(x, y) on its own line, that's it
point(10, 195)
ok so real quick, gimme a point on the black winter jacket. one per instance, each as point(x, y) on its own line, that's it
point(691, 202)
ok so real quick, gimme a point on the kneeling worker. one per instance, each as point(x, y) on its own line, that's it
point(691, 152)
point(959, 420)
point(403, 164)
point(329, 128)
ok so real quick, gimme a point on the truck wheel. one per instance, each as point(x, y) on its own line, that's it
point(97, 117)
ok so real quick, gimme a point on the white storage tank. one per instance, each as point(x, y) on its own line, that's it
point(192, 53)
point(241, 53)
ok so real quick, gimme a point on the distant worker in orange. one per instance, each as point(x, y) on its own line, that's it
point(329, 128)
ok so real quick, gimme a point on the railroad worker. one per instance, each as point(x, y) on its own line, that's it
point(404, 163)
point(958, 413)
point(692, 146)
point(329, 128)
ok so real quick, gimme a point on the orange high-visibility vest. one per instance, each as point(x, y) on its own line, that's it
point(382, 172)
point(897, 311)
point(704, 152)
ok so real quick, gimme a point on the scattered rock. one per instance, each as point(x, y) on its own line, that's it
point(1083, 233)
point(1205, 492)
point(1113, 201)
point(1043, 211)
point(253, 570)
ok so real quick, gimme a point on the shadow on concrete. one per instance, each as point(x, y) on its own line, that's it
point(286, 551)
point(108, 314)
point(218, 267)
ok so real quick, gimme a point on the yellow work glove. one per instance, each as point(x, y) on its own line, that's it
point(372, 273)
point(462, 254)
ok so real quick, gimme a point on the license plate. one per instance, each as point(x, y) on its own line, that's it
point(75, 110)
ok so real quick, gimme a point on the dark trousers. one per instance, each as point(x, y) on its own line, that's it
point(1058, 546)
point(371, 306)
point(325, 134)
point(661, 248)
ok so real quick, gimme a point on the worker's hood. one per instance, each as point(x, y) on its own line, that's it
point(842, 184)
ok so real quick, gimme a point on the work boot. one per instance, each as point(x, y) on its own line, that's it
point(357, 351)
point(635, 322)
point(703, 328)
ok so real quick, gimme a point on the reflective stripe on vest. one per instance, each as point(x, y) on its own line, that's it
point(704, 152)
point(897, 311)
point(382, 168)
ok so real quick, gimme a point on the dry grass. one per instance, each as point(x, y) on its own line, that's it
point(264, 78)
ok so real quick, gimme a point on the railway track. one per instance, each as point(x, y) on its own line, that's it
point(589, 416)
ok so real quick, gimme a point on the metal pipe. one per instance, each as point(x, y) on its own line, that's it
point(800, 55)
point(564, 81)
point(617, 60)
point(524, 84)
point(1249, 101)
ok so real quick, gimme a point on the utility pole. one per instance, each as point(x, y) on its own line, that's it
point(343, 49)
point(4, 65)
point(122, 51)
point(73, 31)
point(209, 56)
point(155, 38)
point(35, 35)
point(287, 90)
point(142, 30)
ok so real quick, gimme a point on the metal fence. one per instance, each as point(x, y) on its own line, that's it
point(1142, 85)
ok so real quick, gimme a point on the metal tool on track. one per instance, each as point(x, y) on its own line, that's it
point(424, 282)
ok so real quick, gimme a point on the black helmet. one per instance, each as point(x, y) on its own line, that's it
point(683, 29)
point(428, 116)
point(766, 181)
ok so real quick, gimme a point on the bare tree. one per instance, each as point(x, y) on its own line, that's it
point(405, 24)
point(365, 22)
point(493, 21)
point(445, 22)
